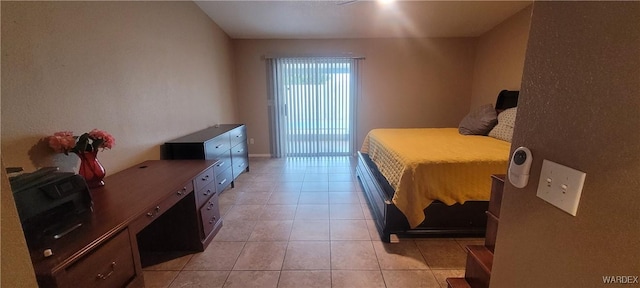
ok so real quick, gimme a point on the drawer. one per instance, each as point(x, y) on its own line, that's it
point(238, 135)
point(110, 265)
point(224, 162)
point(210, 216)
point(223, 180)
point(204, 194)
point(497, 186)
point(239, 151)
point(184, 190)
point(238, 169)
point(164, 205)
point(239, 158)
point(203, 179)
point(216, 146)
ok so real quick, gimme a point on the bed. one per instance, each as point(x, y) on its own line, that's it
point(431, 182)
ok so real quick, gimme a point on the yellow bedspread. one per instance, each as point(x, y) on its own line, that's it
point(424, 165)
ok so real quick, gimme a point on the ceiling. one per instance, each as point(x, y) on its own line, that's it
point(357, 19)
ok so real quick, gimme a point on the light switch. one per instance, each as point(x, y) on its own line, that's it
point(561, 186)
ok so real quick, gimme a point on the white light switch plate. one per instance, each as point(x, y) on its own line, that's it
point(561, 186)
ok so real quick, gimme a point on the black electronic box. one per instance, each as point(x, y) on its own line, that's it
point(50, 203)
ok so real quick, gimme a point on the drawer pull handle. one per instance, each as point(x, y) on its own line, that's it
point(223, 181)
point(154, 212)
point(219, 145)
point(65, 232)
point(213, 220)
point(239, 135)
point(241, 150)
point(184, 189)
point(210, 206)
point(208, 192)
point(205, 178)
point(104, 277)
point(220, 164)
point(240, 165)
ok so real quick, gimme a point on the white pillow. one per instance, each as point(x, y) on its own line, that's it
point(506, 121)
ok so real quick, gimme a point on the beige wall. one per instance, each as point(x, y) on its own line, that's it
point(579, 107)
point(500, 59)
point(405, 82)
point(144, 71)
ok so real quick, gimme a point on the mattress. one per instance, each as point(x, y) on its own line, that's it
point(427, 164)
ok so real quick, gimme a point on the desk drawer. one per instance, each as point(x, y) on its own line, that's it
point(204, 194)
point(224, 162)
point(238, 135)
point(110, 265)
point(164, 205)
point(216, 146)
point(204, 179)
point(184, 190)
point(210, 216)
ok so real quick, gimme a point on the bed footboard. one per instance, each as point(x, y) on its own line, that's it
point(468, 220)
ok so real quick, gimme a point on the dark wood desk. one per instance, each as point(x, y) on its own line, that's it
point(104, 252)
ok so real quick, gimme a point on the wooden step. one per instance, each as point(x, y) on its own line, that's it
point(479, 263)
point(492, 232)
point(457, 283)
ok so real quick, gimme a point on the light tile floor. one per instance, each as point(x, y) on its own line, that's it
point(305, 222)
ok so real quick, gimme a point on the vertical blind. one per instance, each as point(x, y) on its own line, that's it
point(312, 104)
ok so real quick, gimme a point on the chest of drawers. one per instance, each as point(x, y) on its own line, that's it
point(226, 143)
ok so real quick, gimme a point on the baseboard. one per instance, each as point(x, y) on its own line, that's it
point(260, 155)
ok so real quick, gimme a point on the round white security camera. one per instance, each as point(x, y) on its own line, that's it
point(520, 166)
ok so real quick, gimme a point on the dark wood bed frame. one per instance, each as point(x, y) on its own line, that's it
point(468, 220)
point(458, 220)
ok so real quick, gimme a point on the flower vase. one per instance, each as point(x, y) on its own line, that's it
point(91, 169)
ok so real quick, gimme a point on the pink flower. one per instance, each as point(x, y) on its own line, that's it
point(63, 133)
point(65, 142)
point(109, 141)
point(62, 142)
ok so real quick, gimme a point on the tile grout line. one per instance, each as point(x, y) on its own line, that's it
point(330, 255)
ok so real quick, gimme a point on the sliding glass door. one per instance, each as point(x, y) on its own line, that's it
point(313, 106)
